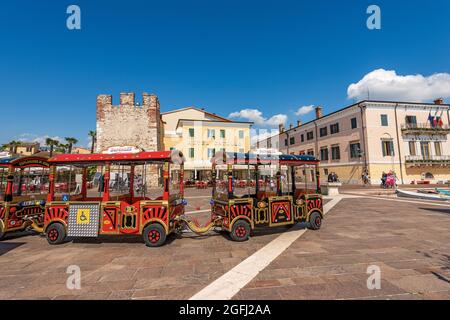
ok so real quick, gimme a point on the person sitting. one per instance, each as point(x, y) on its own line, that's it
point(330, 177)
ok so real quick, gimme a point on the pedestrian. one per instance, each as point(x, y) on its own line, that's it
point(383, 179)
point(330, 177)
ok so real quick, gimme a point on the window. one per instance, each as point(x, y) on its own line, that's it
point(211, 133)
point(437, 148)
point(310, 152)
point(354, 123)
point(384, 120)
point(191, 153)
point(412, 148)
point(411, 121)
point(285, 142)
point(425, 149)
point(211, 152)
point(323, 131)
point(302, 153)
point(334, 128)
point(310, 135)
point(335, 153)
point(241, 134)
point(388, 148)
point(302, 138)
point(292, 140)
point(324, 154)
point(355, 150)
point(222, 133)
point(191, 132)
point(325, 172)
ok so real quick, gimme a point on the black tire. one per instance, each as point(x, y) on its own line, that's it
point(154, 235)
point(240, 231)
point(315, 221)
point(2, 232)
point(56, 233)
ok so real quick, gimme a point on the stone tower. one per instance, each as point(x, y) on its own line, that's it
point(128, 124)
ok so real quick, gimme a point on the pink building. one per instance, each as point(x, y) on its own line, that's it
point(410, 139)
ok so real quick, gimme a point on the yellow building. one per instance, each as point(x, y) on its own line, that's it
point(80, 150)
point(200, 134)
point(25, 148)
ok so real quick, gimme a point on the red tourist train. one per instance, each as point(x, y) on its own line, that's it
point(115, 194)
point(23, 188)
point(142, 193)
point(278, 190)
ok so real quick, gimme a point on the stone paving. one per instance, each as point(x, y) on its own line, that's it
point(410, 243)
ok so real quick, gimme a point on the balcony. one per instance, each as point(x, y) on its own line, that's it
point(424, 128)
point(419, 161)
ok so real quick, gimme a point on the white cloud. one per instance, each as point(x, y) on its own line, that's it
point(29, 137)
point(261, 134)
point(257, 117)
point(304, 110)
point(387, 85)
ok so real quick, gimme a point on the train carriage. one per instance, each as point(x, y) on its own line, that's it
point(23, 189)
point(251, 190)
point(115, 194)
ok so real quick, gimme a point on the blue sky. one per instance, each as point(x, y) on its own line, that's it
point(225, 56)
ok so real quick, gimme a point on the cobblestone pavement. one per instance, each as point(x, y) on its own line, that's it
point(410, 242)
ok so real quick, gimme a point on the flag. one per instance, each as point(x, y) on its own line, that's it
point(430, 119)
point(441, 123)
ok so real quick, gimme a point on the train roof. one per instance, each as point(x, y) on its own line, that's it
point(173, 156)
point(252, 158)
point(24, 162)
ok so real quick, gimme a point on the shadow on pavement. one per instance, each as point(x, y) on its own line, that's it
point(9, 246)
point(440, 211)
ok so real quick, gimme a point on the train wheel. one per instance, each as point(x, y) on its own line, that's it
point(56, 233)
point(315, 221)
point(240, 231)
point(2, 231)
point(154, 235)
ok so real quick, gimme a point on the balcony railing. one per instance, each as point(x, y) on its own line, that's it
point(428, 160)
point(424, 127)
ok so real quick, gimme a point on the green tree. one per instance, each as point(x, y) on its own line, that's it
point(93, 135)
point(70, 143)
point(51, 143)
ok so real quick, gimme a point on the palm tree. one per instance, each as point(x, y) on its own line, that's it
point(62, 148)
point(93, 135)
point(70, 143)
point(52, 144)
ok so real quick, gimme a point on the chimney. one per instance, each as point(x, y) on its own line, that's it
point(299, 123)
point(318, 112)
point(291, 126)
point(127, 99)
point(439, 101)
point(281, 128)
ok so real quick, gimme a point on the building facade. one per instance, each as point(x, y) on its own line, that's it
point(200, 134)
point(25, 148)
point(410, 139)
